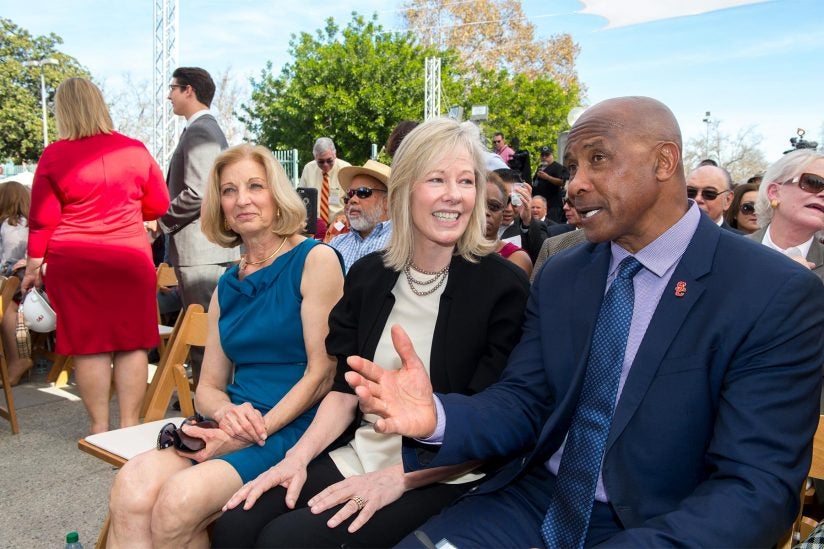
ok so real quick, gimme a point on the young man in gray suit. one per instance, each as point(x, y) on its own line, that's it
point(198, 263)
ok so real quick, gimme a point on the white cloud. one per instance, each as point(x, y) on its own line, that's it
point(624, 13)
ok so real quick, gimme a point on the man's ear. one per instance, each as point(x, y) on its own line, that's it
point(727, 197)
point(667, 161)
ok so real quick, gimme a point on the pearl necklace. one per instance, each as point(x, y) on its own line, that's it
point(437, 280)
point(244, 262)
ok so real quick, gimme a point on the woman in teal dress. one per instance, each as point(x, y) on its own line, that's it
point(265, 366)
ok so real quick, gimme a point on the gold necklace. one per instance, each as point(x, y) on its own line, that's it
point(245, 262)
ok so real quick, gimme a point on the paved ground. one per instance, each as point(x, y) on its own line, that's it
point(50, 487)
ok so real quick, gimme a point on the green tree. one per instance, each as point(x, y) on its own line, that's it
point(532, 109)
point(21, 127)
point(352, 85)
point(529, 83)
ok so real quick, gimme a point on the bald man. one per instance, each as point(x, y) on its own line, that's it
point(711, 188)
point(669, 408)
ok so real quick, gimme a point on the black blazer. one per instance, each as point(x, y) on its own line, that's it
point(478, 324)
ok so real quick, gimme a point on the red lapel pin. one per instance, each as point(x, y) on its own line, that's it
point(680, 289)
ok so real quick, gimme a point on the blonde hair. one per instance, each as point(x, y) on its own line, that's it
point(428, 144)
point(80, 110)
point(291, 213)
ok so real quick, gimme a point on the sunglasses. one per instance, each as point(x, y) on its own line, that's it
point(808, 182)
point(706, 194)
point(747, 208)
point(171, 435)
point(568, 202)
point(361, 192)
point(497, 141)
point(327, 161)
point(494, 206)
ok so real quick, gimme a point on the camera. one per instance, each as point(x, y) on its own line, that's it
point(801, 143)
point(520, 163)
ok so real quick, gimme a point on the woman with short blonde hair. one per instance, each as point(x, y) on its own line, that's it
point(424, 146)
point(790, 208)
point(291, 210)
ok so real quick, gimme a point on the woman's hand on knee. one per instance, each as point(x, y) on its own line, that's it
point(242, 421)
point(363, 495)
point(289, 473)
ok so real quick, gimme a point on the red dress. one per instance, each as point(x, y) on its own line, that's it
point(508, 249)
point(89, 199)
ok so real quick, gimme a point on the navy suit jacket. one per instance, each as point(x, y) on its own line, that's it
point(711, 437)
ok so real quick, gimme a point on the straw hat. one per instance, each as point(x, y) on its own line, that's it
point(372, 168)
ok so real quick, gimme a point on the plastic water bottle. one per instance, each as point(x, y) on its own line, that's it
point(72, 541)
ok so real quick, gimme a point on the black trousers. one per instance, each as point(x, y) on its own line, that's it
point(271, 524)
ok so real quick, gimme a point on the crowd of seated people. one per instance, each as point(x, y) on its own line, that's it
point(425, 357)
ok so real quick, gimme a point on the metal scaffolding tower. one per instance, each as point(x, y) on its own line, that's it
point(165, 52)
point(432, 88)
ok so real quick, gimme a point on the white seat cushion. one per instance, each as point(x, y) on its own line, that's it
point(130, 441)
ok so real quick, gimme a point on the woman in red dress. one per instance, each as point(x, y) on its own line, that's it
point(92, 191)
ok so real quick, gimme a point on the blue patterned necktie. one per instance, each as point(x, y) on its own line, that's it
point(567, 518)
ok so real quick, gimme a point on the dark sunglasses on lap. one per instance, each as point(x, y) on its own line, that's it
point(171, 435)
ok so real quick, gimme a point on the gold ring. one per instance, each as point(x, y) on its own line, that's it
point(359, 501)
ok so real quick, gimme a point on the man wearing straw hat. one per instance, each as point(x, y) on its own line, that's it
point(365, 194)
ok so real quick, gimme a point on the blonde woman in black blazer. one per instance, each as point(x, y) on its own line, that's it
point(462, 306)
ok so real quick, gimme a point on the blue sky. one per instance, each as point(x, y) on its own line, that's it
point(756, 63)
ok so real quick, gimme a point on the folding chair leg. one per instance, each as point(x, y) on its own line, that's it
point(59, 373)
point(103, 536)
point(8, 412)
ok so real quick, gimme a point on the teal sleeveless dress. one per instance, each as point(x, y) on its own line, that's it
point(262, 334)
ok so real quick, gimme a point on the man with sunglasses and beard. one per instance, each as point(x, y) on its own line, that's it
point(711, 188)
point(365, 195)
point(322, 174)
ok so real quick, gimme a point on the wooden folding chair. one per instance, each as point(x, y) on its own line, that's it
point(164, 357)
point(9, 286)
point(118, 446)
point(166, 278)
point(803, 525)
point(62, 366)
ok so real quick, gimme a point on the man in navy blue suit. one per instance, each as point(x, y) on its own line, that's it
point(709, 432)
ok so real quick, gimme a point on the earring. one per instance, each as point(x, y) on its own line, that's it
point(226, 224)
point(774, 203)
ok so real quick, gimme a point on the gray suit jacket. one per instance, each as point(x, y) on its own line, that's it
point(555, 244)
point(189, 168)
point(815, 255)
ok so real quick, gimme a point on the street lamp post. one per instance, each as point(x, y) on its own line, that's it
point(40, 63)
point(707, 121)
